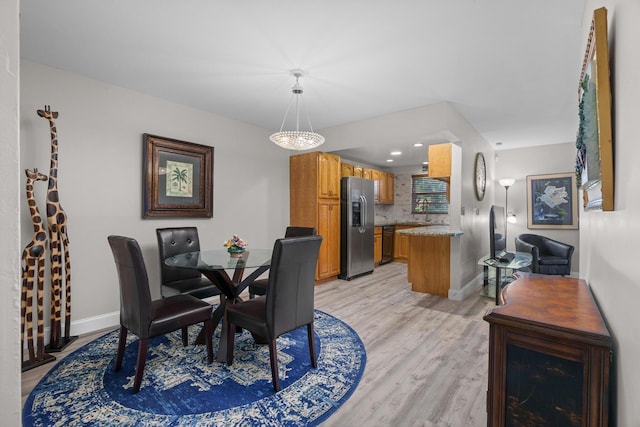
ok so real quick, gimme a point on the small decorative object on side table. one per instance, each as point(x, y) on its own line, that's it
point(236, 246)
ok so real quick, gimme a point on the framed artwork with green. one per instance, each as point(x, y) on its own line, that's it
point(178, 179)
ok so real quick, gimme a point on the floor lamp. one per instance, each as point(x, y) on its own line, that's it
point(508, 216)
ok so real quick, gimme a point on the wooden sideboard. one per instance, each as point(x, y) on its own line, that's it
point(549, 355)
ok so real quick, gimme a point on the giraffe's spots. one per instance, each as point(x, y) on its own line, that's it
point(51, 210)
point(61, 218)
point(37, 251)
point(41, 236)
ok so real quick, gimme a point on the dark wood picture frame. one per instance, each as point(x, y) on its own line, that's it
point(178, 179)
point(594, 143)
point(552, 201)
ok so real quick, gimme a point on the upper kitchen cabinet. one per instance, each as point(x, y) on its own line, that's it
point(357, 171)
point(346, 169)
point(367, 173)
point(328, 169)
point(385, 188)
point(440, 160)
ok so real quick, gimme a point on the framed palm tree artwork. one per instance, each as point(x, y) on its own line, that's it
point(178, 179)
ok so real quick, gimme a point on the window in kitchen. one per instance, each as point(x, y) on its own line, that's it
point(428, 195)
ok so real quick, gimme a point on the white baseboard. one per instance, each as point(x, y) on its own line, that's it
point(95, 323)
point(85, 326)
point(471, 287)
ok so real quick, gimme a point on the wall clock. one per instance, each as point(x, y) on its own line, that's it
point(480, 175)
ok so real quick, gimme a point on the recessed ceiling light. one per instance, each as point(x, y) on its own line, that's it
point(418, 144)
point(389, 160)
point(396, 153)
point(425, 163)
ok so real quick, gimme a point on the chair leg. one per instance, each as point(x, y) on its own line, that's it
point(230, 342)
point(208, 330)
point(122, 341)
point(312, 345)
point(273, 357)
point(185, 337)
point(142, 358)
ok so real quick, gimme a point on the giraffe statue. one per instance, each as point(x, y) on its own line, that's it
point(58, 244)
point(33, 258)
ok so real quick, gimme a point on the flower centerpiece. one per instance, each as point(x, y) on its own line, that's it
point(235, 245)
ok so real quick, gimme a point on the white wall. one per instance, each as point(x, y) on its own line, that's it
point(100, 131)
point(11, 249)
point(518, 164)
point(609, 240)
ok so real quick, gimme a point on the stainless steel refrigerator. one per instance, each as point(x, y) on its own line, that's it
point(356, 228)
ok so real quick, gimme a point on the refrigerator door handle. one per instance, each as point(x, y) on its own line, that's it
point(363, 200)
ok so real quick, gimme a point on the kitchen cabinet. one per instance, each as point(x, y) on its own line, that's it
point(429, 269)
point(401, 244)
point(329, 228)
point(377, 245)
point(314, 200)
point(346, 169)
point(328, 171)
point(375, 176)
point(549, 355)
point(440, 160)
point(384, 182)
point(386, 188)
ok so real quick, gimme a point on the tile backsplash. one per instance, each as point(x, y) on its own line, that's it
point(400, 211)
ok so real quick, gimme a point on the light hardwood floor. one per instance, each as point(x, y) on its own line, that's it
point(427, 356)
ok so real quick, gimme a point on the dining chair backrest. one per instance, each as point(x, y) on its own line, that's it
point(135, 297)
point(300, 231)
point(290, 300)
point(173, 241)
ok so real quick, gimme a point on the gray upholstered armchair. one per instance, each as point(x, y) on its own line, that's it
point(549, 256)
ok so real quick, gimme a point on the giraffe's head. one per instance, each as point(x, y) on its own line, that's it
point(34, 175)
point(47, 113)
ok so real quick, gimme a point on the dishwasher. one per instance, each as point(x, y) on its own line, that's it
point(387, 243)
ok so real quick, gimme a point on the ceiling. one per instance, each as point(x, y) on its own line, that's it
point(510, 67)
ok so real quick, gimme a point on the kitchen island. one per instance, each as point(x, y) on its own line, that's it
point(429, 263)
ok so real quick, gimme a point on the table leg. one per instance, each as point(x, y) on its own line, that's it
point(498, 283)
point(231, 289)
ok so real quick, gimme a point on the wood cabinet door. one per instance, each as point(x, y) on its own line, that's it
point(390, 188)
point(401, 244)
point(329, 229)
point(357, 171)
point(346, 169)
point(439, 160)
point(375, 176)
point(328, 176)
point(377, 246)
point(367, 173)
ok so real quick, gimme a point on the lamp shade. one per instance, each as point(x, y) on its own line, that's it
point(507, 182)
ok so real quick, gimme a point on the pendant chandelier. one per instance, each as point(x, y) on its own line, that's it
point(297, 139)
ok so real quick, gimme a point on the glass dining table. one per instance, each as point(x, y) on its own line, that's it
point(214, 264)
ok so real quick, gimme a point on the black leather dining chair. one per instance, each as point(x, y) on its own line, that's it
point(288, 305)
point(146, 318)
point(174, 280)
point(259, 286)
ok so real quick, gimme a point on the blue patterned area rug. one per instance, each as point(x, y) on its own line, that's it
point(180, 389)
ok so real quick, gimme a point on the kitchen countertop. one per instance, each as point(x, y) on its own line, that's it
point(415, 223)
point(432, 230)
